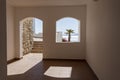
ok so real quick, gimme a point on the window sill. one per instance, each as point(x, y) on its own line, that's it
point(67, 42)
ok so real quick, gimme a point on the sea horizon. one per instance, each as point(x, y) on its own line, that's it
point(74, 38)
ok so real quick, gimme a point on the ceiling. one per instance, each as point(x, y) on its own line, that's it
point(26, 3)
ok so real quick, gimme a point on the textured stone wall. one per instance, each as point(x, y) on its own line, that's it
point(27, 36)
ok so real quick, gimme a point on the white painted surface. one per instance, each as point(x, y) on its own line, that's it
point(21, 40)
point(34, 3)
point(75, 50)
point(103, 38)
point(3, 43)
point(10, 32)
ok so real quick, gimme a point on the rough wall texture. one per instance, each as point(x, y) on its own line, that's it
point(27, 36)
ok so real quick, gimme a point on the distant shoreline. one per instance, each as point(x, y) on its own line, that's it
point(73, 38)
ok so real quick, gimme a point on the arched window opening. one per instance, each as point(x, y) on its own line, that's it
point(67, 30)
point(31, 35)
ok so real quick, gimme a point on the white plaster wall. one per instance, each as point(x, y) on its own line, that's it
point(3, 60)
point(10, 32)
point(103, 38)
point(50, 15)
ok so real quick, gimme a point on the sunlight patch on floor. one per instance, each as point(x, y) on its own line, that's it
point(25, 64)
point(59, 72)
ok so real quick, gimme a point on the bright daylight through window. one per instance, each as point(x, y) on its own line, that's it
point(67, 30)
point(38, 29)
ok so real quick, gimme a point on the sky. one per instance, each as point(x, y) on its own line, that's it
point(38, 26)
point(67, 23)
point(61, 25)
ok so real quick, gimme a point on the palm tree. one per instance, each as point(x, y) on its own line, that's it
point(69, 31)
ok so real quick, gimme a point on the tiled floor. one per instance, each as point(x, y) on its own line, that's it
point(80, 71)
